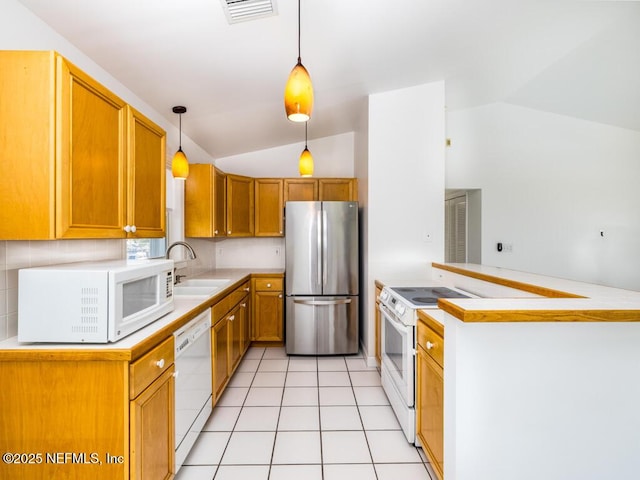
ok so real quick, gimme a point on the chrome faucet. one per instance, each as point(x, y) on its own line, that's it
point(192, 253)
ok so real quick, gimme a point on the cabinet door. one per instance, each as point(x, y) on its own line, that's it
point(220, 356)
point(152, 425)
point(245, 321)
point(300, 189)
point(235, 337)
point(269, 207)
point(90, 144)
point(146, 175)
point(268, 321)
point(240, 198)
point(219, 203)
point(430, 409)
point(337, 189)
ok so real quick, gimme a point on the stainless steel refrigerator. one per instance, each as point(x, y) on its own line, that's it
point(321, 278)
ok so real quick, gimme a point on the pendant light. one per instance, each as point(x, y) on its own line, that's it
point(298, 92)
point(305, 165)
point(180, 164)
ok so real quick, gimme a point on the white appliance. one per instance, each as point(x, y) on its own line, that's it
point(398, 308)
point(193, 401)
point(321, 241)
point(92, 302)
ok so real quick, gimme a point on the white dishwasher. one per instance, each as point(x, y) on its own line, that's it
point(193, 403)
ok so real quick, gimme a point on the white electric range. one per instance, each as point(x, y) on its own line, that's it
point(398, 308)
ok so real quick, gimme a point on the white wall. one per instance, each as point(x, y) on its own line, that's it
point(550, 184)
point(405, 204)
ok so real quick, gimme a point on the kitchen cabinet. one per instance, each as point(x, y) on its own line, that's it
point(99, 405)
point(228, 335)
point(269, 207)
point(240, 206)
point(146, 200)
point(329, 189)
point(430, 390)
point(300, 189)
point(152, 424)
point(337, 189)
point(268, 302)
point(205, 200)
point(83, 163)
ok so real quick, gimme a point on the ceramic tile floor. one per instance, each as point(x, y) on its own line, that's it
point(311, 418)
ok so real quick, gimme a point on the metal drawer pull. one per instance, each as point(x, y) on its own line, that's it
point(232, 318)
point(243, 305)
point(246, 289)
point(160, 363)
point(268, 285)
point(430, 345)
point(323, 302)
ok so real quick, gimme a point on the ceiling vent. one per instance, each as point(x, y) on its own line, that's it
point(244, 10)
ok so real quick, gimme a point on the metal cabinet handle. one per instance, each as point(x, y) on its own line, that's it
point(430, 345)
point(243, 305)
point(268, 285)
point(280, 296)
point(215, 232)
point(232, 318)
point(246, 289)
point(160, 363)
point(228, 232)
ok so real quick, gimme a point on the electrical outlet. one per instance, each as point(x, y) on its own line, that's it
point(508, 247)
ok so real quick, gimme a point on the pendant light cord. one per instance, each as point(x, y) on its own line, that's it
point(180, 141)
point(305, 134)
point(299, 56)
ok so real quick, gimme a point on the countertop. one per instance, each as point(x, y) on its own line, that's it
point(136, 344)
point(560, 301)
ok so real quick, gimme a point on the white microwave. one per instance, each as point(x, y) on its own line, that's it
point(97, 302)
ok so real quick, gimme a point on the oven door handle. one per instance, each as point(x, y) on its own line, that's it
point(395, 323)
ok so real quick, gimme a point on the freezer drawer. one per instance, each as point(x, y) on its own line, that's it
point(322, 325)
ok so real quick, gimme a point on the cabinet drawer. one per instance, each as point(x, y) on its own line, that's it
point(144, 371)
point(268, 284)
point(220, 309)
point(431, 342)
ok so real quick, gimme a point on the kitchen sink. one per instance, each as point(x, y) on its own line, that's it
point(200, 287)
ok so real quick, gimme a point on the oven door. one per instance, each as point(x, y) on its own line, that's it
point(398, 354)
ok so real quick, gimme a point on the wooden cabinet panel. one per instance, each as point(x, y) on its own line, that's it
point(300, 189)
point(146, 369)
point(235, 338)
point(153, 430)
point(245, 321)
point(240, 205)
point(337, 189)
point(269, 321)
point(205, 202)
point(146, 198)
point(269, 208)
point(430, 409)
point(220, 356)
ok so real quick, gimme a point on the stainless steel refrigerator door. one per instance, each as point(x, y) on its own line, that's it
point(303, 247)
point(322, 325)
point(340, 248)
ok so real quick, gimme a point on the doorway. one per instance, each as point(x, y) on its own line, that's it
point(463, 226)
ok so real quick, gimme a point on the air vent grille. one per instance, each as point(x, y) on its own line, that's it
point(243, 10)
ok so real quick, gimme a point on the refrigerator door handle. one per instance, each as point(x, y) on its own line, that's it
point(341, 301)
point(325, 242)
point(319, 246)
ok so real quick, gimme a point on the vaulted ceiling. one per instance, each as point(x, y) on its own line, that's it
point(577, 58)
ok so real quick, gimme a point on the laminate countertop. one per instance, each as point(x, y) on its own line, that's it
point(513, 296)
point(134, 345)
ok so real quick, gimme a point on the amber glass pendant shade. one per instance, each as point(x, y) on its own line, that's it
point(180, 165)
point(298, 94)
point(305, 165)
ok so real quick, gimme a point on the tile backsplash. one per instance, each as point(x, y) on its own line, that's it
point(15, 255)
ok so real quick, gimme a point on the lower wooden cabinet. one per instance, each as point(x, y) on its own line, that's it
point(220, 356)
point(152, 430)
point(430, 391)
point(268, 307)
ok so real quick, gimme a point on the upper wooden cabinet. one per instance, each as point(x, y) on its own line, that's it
point(78, 162)
point(330, 189)
point(147, 176)
point(205, 202)
point(300, 189)
point(240, 205)
point(269, 207)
